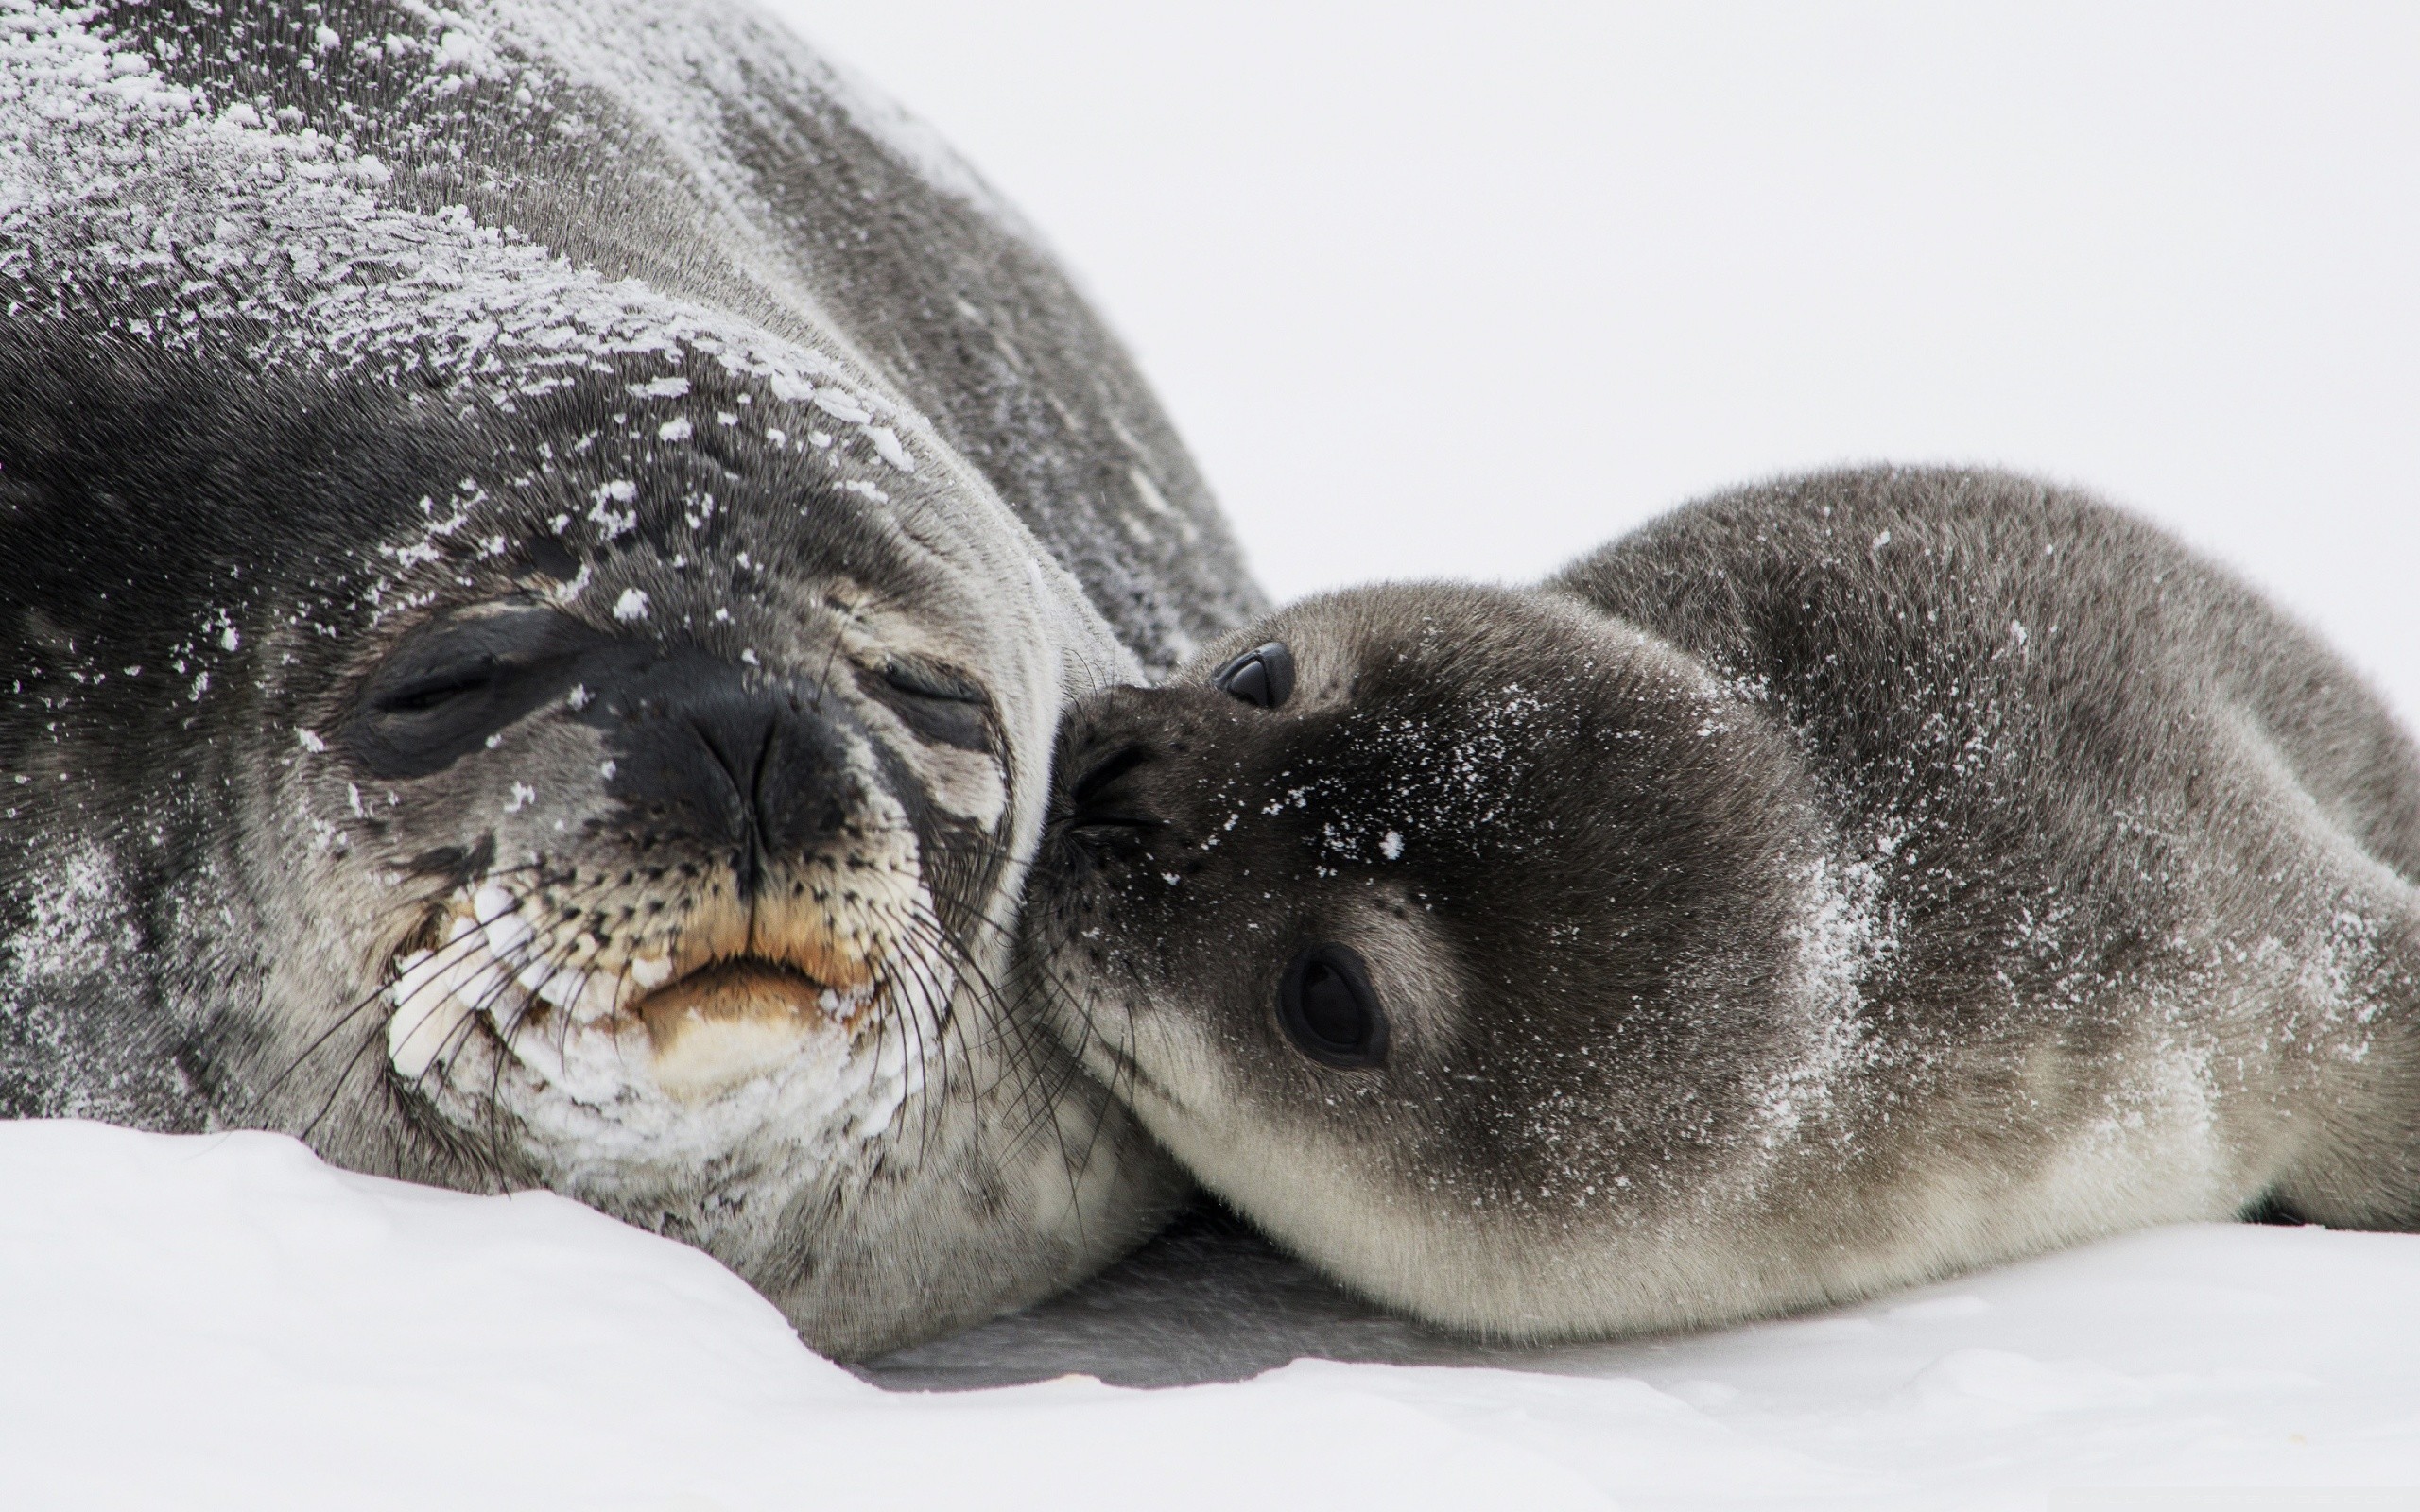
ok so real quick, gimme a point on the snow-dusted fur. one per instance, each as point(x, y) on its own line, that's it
point(1833, 886)
point(508, 508)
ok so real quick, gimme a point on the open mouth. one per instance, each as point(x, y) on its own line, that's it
point(596, 1023)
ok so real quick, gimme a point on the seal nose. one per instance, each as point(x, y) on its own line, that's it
point(1105, 796)
point(756, 770)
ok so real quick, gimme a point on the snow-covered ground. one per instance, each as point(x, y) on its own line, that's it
point(1449, 291)
point(221, 1321)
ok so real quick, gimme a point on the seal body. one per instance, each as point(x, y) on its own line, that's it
point(1833, 886)
point(546, 545)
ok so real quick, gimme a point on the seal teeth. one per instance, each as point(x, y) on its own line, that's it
point(537, 1052)
point(483, 987)
point(556, 1004)
point(421, 971)
point(581, 1067)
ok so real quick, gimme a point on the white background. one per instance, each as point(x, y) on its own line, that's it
point(1465, 290)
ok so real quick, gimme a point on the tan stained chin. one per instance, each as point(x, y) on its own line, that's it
point(731, 1022)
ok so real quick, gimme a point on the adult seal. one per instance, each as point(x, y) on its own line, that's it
point(546, 545)
point(1834, 886)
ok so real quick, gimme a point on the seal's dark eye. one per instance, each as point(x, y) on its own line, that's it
point(1328, 1007)
point(1261, 677)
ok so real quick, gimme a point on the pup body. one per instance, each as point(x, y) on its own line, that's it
point(1834, 886)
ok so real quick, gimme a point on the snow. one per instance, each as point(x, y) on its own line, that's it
point(222, 1322)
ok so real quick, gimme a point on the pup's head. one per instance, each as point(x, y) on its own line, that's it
point(1425, 923)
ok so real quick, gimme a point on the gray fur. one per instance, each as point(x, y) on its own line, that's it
point(1836, 885)
point(334, 330)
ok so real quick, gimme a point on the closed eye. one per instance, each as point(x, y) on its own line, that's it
point(1100, 810)
point(927, 681)
point(454, 683)
point(939, 705)
point(441, 686)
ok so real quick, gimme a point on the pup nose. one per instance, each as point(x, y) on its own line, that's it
point(752, 767)
point(1105, 796)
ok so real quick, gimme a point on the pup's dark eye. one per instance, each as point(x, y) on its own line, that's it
point(1261, 677)
point(1328, 1007)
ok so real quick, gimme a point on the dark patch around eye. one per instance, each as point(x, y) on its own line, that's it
point(444, 691)
point(928, 681)
point(448, 682)
point(939, 705)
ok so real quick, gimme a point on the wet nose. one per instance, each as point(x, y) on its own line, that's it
point(750, 768)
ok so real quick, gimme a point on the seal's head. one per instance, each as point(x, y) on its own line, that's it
point(1378, 915)
point(697, 803)
point(623, 793)
point(544, 552)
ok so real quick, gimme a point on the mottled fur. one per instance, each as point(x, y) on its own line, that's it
point(1834, 885)
point(333, 330)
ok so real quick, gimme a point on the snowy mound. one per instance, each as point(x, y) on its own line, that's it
point(223, 1321)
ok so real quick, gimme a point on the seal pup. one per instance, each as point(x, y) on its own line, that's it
point(1834, 886)
point(546, 543)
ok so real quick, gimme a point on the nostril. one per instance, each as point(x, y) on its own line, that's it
point(1105, 771)
point(1097, 801)
point(731, 768)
